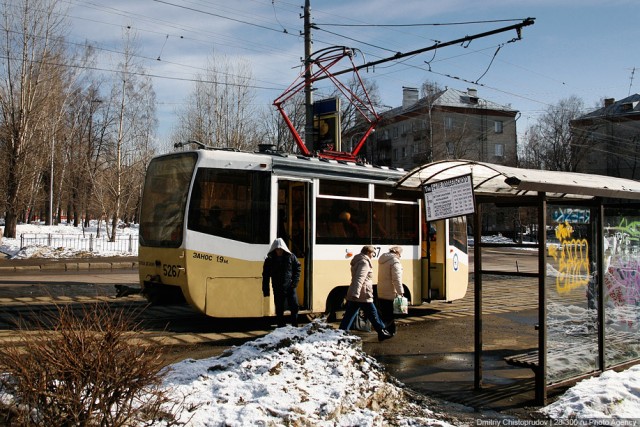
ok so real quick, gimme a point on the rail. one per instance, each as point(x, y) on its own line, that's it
point(88, 242)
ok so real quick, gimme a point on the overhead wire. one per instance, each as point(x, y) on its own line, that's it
point(139, 56)
point(372, 45)
point(329, 32)
point(442, 24)
point(218, 15)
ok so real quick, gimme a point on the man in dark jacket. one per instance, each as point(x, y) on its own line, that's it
point(283, 269)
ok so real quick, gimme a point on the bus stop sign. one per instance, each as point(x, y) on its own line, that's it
point(449, 198)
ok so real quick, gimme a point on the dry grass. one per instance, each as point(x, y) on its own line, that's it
point(82, 369)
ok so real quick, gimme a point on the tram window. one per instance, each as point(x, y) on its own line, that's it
point(394, 223)
point(344, 188)
point(231, 204)
point(342, 221)
point(385, 192)
point(458, 233)
point(349, 221)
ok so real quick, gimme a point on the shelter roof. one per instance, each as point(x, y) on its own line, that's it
point(498, 180)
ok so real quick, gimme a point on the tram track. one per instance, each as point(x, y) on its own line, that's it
point(25, 307)
point(170, 325)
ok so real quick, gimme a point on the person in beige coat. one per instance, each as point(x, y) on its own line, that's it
point(360, 294)
point(389, 285)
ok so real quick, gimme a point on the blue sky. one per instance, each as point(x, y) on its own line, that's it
point(585, 48)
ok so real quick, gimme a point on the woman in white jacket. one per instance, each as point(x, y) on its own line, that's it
point(389, 285)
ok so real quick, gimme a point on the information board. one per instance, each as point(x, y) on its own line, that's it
point(449, 198)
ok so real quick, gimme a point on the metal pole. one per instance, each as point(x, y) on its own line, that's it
point(308, 89)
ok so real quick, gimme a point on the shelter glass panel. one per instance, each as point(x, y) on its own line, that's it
point(572, 333)
point(621, 285)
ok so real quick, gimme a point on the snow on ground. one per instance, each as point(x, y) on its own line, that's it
point(315, 375)
point(68, 241)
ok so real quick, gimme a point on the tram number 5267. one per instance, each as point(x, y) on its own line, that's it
point(171, 270)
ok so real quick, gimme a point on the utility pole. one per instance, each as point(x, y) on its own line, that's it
point(308, 89)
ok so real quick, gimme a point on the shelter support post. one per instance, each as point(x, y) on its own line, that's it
point(541, 372)
point(477, 295)
point(600, 284)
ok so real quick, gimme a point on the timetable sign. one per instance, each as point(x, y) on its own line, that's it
point(449, 198)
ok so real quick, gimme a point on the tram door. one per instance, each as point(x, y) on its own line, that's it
point(294, 228)
point(445, 262)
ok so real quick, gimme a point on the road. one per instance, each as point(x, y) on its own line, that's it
point(432, 352)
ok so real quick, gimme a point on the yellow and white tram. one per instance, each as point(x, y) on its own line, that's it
point(208, 217)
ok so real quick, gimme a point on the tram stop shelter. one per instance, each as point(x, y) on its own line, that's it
point(588, 243)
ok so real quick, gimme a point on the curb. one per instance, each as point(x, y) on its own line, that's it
point(70, 266)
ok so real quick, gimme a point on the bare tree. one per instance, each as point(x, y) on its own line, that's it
point(31, 42)
point(430, 91)
point(129, 128)
point(220, 110)
point(440, 142)
point(548, 143)
point(273, 130)
point(351, 107)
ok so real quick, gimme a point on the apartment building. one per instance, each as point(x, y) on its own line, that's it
point(449, 124)
point(607, 141)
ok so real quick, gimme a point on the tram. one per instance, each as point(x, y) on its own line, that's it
point(209, 216)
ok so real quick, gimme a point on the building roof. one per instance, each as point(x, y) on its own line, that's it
point(496, 180)
point(452, 98)
point(626, 106)
point(456, 98)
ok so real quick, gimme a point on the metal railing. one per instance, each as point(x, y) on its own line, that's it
point(88, 242)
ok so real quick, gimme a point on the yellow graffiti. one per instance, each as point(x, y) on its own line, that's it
point(573, 260)
point(564, 231)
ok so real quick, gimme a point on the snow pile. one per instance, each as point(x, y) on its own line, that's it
point(611, 395)
point(312, 375)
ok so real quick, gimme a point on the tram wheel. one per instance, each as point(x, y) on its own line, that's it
point(163, 295)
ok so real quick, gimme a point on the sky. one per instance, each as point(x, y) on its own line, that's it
point(316, 375)
point(575, 47)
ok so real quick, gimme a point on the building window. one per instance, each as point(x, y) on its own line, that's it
point(499, 150)
point(498, 126)
point(395, 131)
point(448, 123)
point(395, 154)
point(404, 152)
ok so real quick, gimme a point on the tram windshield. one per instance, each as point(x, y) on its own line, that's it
point(166, 188)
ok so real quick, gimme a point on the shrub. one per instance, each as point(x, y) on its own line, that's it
point(83, 369)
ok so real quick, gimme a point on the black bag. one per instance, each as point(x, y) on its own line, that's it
point(361, 323)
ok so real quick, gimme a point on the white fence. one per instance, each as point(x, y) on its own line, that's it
point(123, 244)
